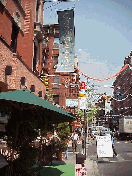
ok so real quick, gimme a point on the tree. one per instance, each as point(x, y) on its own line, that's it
point(92, 112)
point(20, 131)
point(80, 114)
point(63, 131)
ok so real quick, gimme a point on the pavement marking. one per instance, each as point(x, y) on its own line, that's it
point(120, 158)
point(112, 161)
point(130, 154)
point(105, 159)
point(117, 142)
point(126, 142)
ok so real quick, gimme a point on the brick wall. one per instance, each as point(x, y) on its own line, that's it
point(18, 70)
point(65, 78)
point(5, 26)
point(122, 84)
point(13, 7)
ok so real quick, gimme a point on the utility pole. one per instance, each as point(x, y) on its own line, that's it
point(87, 117)
point(85, 131)
point(87, 127)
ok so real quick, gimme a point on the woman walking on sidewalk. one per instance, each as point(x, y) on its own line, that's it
point(113, 145)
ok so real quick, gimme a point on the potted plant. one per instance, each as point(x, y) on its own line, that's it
point(63, 131)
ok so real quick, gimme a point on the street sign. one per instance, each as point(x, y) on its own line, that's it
point(81, 85)
point(82, 102)
point(104, 146)
point(82, 95)
point(72, 102)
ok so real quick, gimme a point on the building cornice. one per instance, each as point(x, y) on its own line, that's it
point(11, 17)
point(18, 4)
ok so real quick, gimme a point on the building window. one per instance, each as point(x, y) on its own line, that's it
point(55, 61)
point(36, 57)
point(56, 81)
point(40, 93)
point(45, 60)
point(14, 35)
point(56, 43)
point(56, 99)
point(22, 81)
point(32, 88)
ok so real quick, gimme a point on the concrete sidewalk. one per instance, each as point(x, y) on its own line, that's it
point(91, 166)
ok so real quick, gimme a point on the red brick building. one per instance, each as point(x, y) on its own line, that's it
point(122, 100)
point(64, 85)
point(21, 36)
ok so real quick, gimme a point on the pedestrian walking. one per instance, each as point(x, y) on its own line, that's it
point(74, 137)
point(113, 145)
point(66, 153)
point(83, 146)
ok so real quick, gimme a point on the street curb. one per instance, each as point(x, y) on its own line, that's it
point(92, 167)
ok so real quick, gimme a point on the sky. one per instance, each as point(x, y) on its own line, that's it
point(103, 36)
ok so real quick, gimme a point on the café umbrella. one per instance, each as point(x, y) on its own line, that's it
point(24, 99)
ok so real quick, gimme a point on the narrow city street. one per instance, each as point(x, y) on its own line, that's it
point(120, 165)
point(65, 73)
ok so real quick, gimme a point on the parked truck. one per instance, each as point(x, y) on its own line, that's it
point(125, 127)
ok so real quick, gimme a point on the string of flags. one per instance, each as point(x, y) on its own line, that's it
point(97, 79)
point(53, 4)
point(121, 99)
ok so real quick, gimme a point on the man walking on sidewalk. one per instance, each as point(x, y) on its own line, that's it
point(74, 137)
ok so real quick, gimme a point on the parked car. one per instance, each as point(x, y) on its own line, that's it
point(108, 132)
point(94, 133)
point(103, 131)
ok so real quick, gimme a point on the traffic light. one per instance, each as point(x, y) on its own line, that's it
point(108, 99)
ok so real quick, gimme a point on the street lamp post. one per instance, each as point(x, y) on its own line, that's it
point(85, 131)
point(87, 127)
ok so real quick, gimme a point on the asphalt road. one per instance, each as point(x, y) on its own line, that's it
point(120, 165)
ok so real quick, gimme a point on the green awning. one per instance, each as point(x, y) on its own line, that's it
point(26, 97)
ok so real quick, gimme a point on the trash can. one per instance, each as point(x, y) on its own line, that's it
point(80, 158)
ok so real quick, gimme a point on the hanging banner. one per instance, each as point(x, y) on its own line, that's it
point(66, 41)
